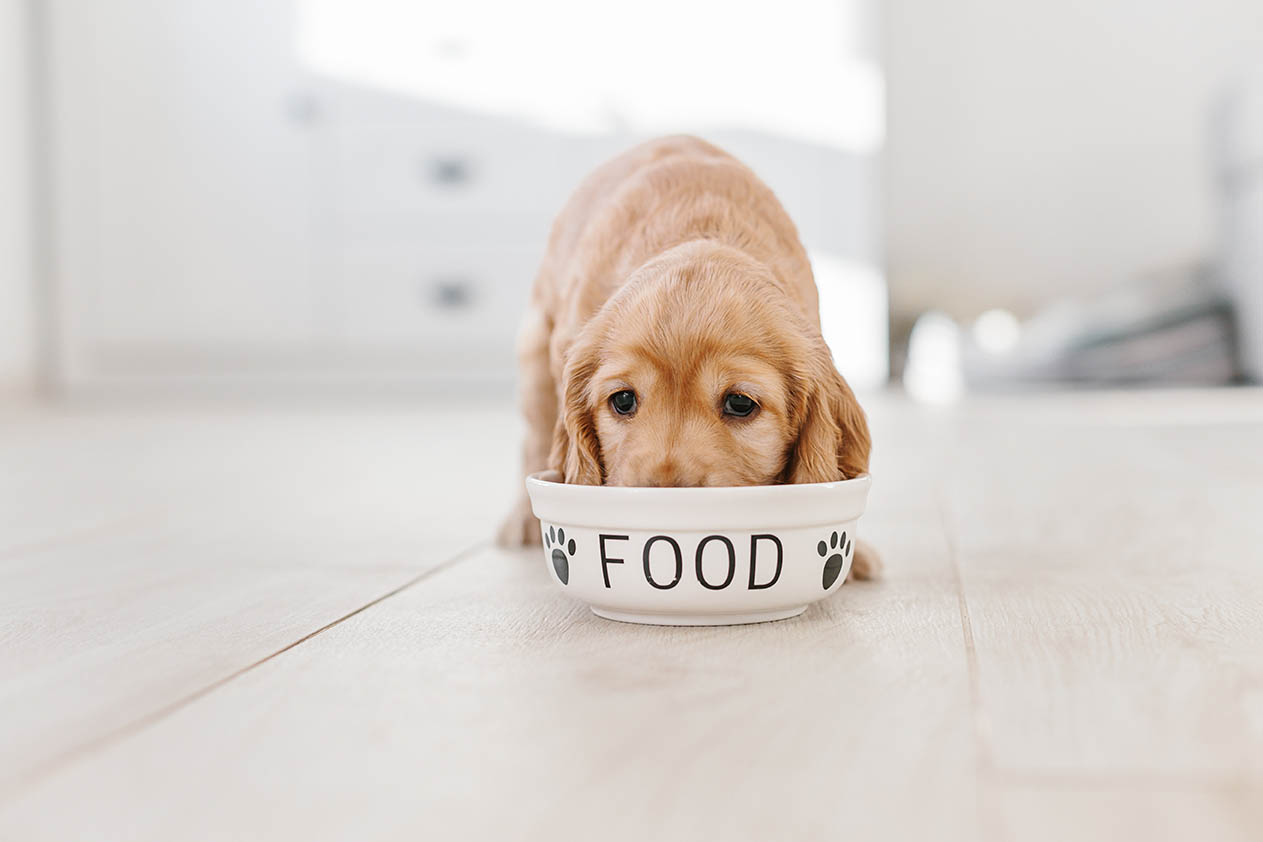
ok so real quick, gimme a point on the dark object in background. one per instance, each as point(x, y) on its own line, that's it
point(1170, 329)
point(1202, 326)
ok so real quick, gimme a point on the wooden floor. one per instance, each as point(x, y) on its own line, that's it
point(287, 623)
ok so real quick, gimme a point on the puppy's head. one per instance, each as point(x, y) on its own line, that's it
point(700, 371)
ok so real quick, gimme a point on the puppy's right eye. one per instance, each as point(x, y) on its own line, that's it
point(624, 402)
point(739, 405)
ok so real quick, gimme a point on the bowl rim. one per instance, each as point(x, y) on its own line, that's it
point(739, 508)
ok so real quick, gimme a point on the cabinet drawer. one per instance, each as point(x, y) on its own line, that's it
point(433, 298)
point(384, 171)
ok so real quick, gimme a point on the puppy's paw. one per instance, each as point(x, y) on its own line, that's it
point(520, 528)
point(867, 564)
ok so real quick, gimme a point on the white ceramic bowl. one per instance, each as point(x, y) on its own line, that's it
point(698, 556)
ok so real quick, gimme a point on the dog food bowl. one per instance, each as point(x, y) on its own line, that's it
point(698, 556)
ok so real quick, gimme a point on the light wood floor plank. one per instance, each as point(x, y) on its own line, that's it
point(486, 704)
point(232, 536)
point(82, 471)
point(1117, 595)
point(1066, 645)
point(1114, 577)
point(1105, 812)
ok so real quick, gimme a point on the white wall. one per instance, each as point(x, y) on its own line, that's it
point(16, 307)
point(1040, 147)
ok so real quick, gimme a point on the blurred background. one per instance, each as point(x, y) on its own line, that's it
point(348, 196)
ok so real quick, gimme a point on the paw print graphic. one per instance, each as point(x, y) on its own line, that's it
point(835, 553)
point(562, 552)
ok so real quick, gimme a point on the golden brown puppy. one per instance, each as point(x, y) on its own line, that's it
point(673, 338)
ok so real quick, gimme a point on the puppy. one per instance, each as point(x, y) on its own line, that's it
point(673, 338)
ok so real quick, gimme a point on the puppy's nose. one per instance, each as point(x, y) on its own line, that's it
point(668, 474)
point(664, 475)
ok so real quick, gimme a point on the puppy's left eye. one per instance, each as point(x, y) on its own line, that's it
point(739, 405)
point(623, 402)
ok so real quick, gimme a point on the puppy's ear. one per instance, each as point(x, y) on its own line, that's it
point(576, 452)
point(833, 441)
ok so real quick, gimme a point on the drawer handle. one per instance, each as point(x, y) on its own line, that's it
point(455, 292)
point(449, 171)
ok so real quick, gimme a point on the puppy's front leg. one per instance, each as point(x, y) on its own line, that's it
point(539, 405)
point(867, 563)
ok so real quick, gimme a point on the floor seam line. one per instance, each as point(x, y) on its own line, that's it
point(981, 749)
point(141, 723)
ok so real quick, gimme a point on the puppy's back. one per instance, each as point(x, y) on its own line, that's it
point(651, 198)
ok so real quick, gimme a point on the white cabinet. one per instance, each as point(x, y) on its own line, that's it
point(441, 218)
point(221, 211)
point(454, 308)
point(183, 161)
point(426, 159)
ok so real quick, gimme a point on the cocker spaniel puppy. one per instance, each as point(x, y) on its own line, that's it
point(673, 338)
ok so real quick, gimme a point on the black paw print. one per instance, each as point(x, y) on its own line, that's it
point(562, 552)
point(841, 549)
